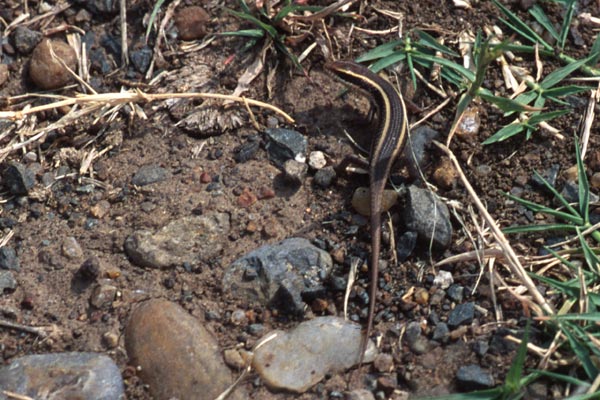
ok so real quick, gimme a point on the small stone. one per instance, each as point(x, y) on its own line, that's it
point(4, 74)
point(18, 179)
point(463, 314)
point(90, 269)
point(103, 296)
point(149, 174)
point(360, 394)
point(25, 39)
point(443, 279)
point(46, 69)
point(473, 377)
point(595, 181)
point(234, 359)
point(9, 259)
point(456, 293)
point(445, 174)
point(63, 376)
point(469, 123)
point(324, 177)
point(266, 193)
point(238, 317)
point(246, 199)
point(416, 150)
point(246, 151)
point(441, 332)
point(141, 58)
point(205, 177)
point(421, 296)
point(316, 160)
point(7, 281)
point(361, 200)
point(295, 171)
point(481, 347)
point(405, 245)
point(256, 329)
point(110, 340)
point(285, 144)
point(414, 338)
point(71, 249)
point(571, 173)
point(100, 209)
point(383, 363)
point(191, 22)
point(386, 384)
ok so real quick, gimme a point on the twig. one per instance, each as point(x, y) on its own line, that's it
point(123, 25)
point(16, 396)
point(41, 332)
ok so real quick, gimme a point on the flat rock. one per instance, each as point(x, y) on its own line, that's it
point(190, 239)
point(299, 359)
point(178, 356)
point(63, 376)
point(279, 274)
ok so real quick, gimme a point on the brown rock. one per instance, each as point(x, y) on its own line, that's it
point(178, 357)
point(361, 201)
point(46, 69)
point(191, 22)
point(445, 175)
point(3, 74)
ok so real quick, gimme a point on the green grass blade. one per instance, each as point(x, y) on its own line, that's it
point(385, 50)
point(251, 33)
point(271, 31)
point(506, 132)
point(245, 7)
point(537, 118)
point(590, 257)
point(583, 186)
point(503, 103)
point(446, 63)
point(512, 384)
point(579, 349)
point(589, 317)
point(594, 52)
point(489, 394)
point(559, 74)
point(429, 41)
point(540, 16)
point(562, 91)
point(521, 27)
point(558, 196)
point(566, 26)
point(387, 61)
point(538, 228)
point(411, 69)
point(294, 8)
point(155, 10)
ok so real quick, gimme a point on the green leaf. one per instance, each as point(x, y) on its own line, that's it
point(387, 61)
point(252, 33)
point(559, 74)
point(594, 52)
point(579, 349)
point(447, 63)
point(489, 394)
point(537, 118)
point(513, 377)
point(583, 186)
point(429, 41)
point(566, 26)
point(521, 27)
point(294, 8)
point(385, 50)
point(508, 131)
point(155, 10)
point(563, 91)
point(503, 103)
point(558, 196)
point(411, 69)
point(270, 30)
point(538, 228)
point(540, 16)
point(590, 257)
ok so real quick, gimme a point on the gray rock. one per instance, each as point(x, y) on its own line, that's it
point(18, 179)
point(481, 347)
point(295, 171)
point(63, 376)
point(571, 193)
point(9, 259)
point(279, 274)
point(174, 244)
point(103, 295)
point(462, 314)
point(26, 39)
point(285, 144)
point(325, 176)
point(406, 244)
point(473, 377)
point(415, 150)
point(414, 338)
point(456, 293)
point(71, 248)
point(549, 175)
point(177, 356)
point(360, 394)
point(298, 360)
point(441, 332)
point(149, 174)
point(427, 215)
point(7, 281)
point(140, 59)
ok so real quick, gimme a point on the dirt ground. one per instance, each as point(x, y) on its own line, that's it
point(48, 292)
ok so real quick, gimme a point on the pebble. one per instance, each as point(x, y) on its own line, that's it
point(63, 376)
point(299, 359)
point(295, 171)
point(191, 22)
point(405, 245)
point(18, 179)
point(71, 249)
point(416, 149)
point(470, 123)
point(25, 39)
point(443, 279)
point(481, 347)
point(441, 333)
point(383, 362)
point(325, 177)
point(234, 359)
point(141, 58)
point(361, 200)
point(7, 281)
point(246, 198)
point(473, 377)
point(316, 160)
point(173, 245)
point(421, 296)
point(47, 72)
point(427, 215)
point(360, 394)
point(445, 175)
point(595, 181)
point(246, 151)
point(100, 209)
point(103, 295)
point(285, 144)
point(549, 176)
point(4, 74)
point(278, 274)
point(456, 293)
point(414, 338)
point(9, 259)
point(90, 269)
point(462, 314)
point(176, 355)
point(110, 340)
point(149, 174)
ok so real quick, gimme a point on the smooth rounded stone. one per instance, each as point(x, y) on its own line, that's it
point(470, 123)
point(359, 394)
point(299, 359)
point(90, 269)
point(9, 259)
point(18, 179)
point(103, 295)
point(191, 22)
point(426, 214)
point(473, 377)
point(462, 314)
point(278, 274)
point(361, 200)
point(63, 376)
point(174, 244)
point(285, 144)
point(71, 249)
point(177, 355)
point(325, 176)
point(316, 159)
point(149, 174)
point(295, 171)
point(45, 70)
point(7, 281)
point(25, 39)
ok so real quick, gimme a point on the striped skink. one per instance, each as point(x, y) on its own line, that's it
point(386, 145)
